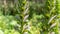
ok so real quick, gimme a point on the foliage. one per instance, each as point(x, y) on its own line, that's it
point(30, 17)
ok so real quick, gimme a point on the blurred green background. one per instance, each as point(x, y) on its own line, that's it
point(29, 16)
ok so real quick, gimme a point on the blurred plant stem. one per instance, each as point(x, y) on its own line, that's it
point(23, 6)
point(5, 7)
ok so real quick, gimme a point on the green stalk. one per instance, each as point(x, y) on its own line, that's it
point(49, 11)
point(22, 9)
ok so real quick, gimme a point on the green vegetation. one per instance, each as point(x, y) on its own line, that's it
point(30, 17)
